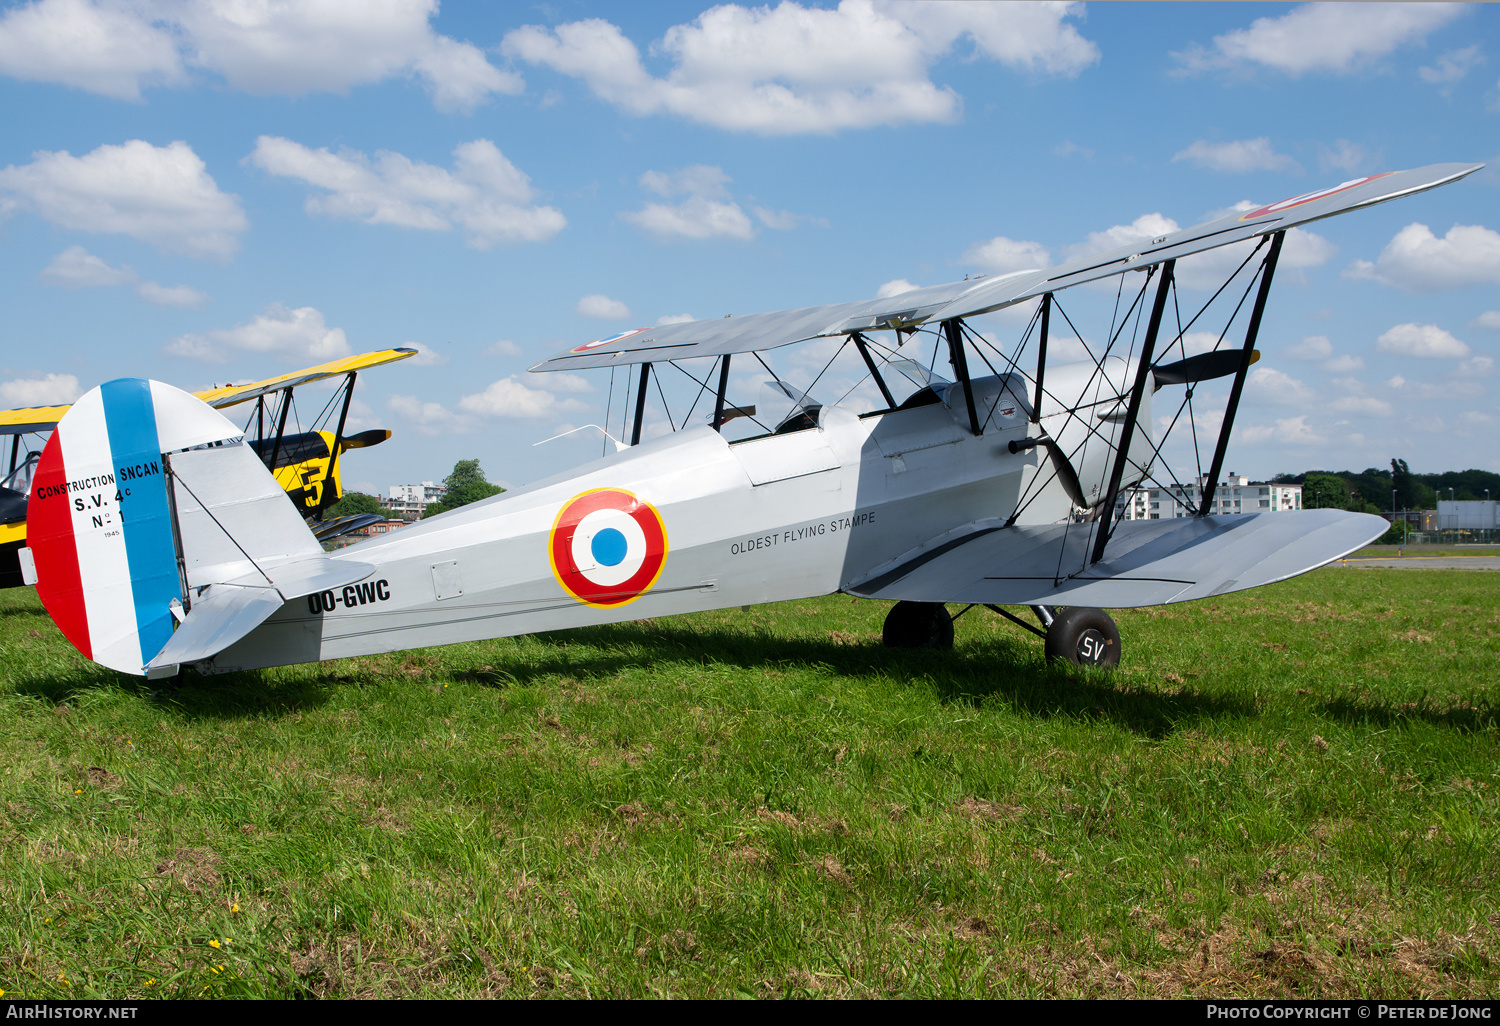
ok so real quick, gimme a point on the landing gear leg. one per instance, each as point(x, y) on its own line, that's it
point(1082, 635)
point(918, 625)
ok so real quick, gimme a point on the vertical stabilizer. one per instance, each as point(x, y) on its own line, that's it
point(143, 498)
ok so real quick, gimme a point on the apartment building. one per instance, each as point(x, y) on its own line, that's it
point(409, 502)
point(1235, 494)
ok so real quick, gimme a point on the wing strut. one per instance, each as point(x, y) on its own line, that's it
point(640, 404)
point(861, 343)
point(953, 331)
point(1041, 356)
point(286, 407)
point(1211, 485)
point(338, 436)
point(1127, 430)
point(723, 387)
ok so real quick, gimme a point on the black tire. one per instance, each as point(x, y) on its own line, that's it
point(1084, 636)
point(918, 625)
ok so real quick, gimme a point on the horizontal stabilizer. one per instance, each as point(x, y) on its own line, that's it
point(222, 616)
point(225, 613)
point(306, 576)
point(1147, 562)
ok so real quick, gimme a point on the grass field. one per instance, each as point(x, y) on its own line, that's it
point(1435, 551)
point(1287, 792)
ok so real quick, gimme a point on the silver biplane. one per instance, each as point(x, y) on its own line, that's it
point(159, 540)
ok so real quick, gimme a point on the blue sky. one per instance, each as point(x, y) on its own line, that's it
point(215, 191)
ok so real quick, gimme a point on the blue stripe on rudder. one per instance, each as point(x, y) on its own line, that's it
point(135, 452)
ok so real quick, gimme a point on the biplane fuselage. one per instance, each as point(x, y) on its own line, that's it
point(776, 517)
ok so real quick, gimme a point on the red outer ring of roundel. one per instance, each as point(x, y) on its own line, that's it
point(560, 547)
point(605, 341)
point(1297, 201)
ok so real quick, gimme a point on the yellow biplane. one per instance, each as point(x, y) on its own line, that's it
point(304, 462)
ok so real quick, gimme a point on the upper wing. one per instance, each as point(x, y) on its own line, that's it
point(32, 418)
point(45, 418)
point(229, 395)
point(982, 295)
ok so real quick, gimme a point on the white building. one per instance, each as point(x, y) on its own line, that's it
point(1468, 515)
point(411, 501)
point(1235, 494)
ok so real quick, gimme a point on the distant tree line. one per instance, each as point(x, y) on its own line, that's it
point(1370, 490)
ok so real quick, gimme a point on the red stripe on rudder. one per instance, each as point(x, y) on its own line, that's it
point(49, 534)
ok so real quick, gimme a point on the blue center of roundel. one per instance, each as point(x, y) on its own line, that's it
point(608, 547)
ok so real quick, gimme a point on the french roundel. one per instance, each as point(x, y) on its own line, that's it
point(607, 547)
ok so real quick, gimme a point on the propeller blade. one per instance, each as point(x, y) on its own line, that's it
point(1066, 475)
point(365, 439)
point(1204, 367)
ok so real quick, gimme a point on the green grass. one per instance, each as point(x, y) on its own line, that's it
point(1444, 551)
point(1287, 792)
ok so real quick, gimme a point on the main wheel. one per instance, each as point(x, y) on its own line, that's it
point(1086, 636)
point(918, 625)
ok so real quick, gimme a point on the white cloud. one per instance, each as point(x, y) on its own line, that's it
point(116, 48)
point(778, 220)
point(429, 418)
point(503, 347)
point(52, 390)
point(1240, 155)
point(697, 180)
point(1332, 37)
point(1313, 347)
point(1273, 386)
point(1343, 156)
point(1147, 226)
point(894, 287)
point(1452, 66)
point(1318, 349)
point(681, 318)
point(180, 296)
point(77, 268)
point(602, 308)
point(1068, 148)
point(1418, 261)
point(1002, 256)
point(1473, 421)
point(791, 69)
point(1489, 319)
point(158, 194)
point(1289, 431)
point(1476, 367)
point(426, 356)
point(708, 212)
point(1367, 405)
point(570, 383)
point(509, 398)
point(485, 194)
point(99, 48)
point(1344, 364)
point(693, 218)
point(1427, 341)
point(298, 334)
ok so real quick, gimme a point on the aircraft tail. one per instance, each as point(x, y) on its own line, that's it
point(158, 538)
